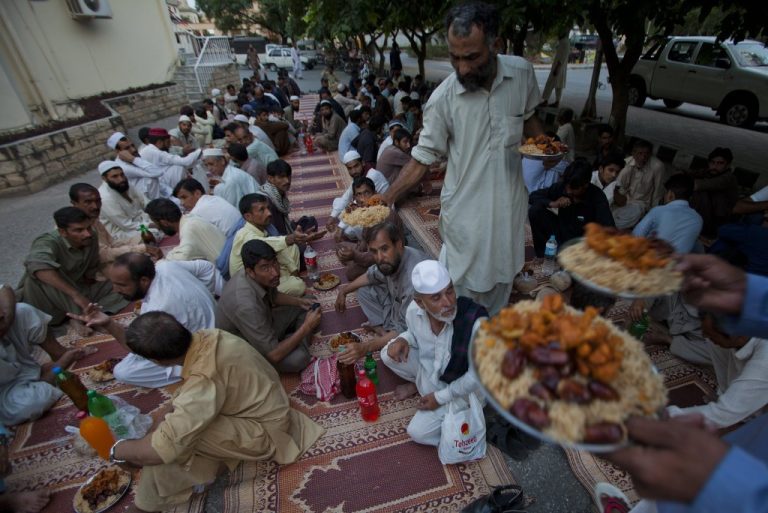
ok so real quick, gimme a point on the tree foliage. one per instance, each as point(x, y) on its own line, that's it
point(282, 17)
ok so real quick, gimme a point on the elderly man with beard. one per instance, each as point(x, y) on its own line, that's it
point(292, 112)
point(331, 126)
point(477, 117)
point(384, 291)
point(122, 207)
point(183, 289)
point(175, 168)
point(61, 269)
point(228, 182)
point(432, 354)
point(198, 239)
point(257, 150)
point(142, 175)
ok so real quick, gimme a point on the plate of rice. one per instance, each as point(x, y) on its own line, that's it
point(367, 214)
point(102, 490)
point(542, 147)
point(620, 264)
point(565, 376)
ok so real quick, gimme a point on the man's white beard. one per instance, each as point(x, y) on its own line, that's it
point(444, 318)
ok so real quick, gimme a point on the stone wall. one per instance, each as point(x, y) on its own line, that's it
point(148, 106)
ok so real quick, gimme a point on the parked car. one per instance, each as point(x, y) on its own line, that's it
point(731, 78)
point(280, 58)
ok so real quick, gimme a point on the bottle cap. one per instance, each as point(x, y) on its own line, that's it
point(91, 393)
point(361, 372)
point(81, 415)
point(56, 369)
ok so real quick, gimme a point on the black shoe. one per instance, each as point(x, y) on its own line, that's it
point(503, 499)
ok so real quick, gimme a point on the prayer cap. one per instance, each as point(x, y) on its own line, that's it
point(326, 102)
point(213, 152)
point(106, 165)
point(295, 98)
point(158, 132)
point(114, 139)
point(350, 156)
point(241, 118)
point(430, 277)
point(215, 92)
point(184, 119)
point(395, 122)
point(341, 87)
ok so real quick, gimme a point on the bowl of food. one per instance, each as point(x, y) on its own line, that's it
point(104, 371)
point(542, 147)
point(619, 264)
point(563, 375)
point(327, 281)
point(343, 339)
point(366, 214)
point(102, 490)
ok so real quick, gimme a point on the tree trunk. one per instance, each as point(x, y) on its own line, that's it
point(518, 41)
point(422, 54)
point(620, 103)
point(590, 106)
point(382, 56)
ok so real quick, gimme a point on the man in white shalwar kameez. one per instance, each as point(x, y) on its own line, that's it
point(143, 175)
point(122, 206)
point(558, 72)
point(175, 168)
point(433, 352)
point(230, 182)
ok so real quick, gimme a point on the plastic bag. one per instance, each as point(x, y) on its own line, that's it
point(321, 378)
point(136, 423)
point(462, 437)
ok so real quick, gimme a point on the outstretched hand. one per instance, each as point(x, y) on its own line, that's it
point(92, 316)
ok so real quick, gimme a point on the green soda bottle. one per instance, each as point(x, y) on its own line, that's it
point(102, 406)
point(146, 236)
point(370, 369)
point(639, 328)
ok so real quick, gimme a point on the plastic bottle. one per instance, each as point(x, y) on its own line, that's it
point(637, 329)
point(346, 377)
point(370, 369)
point(366, 397)
point(71, 385)
point(550, 252)
point(102, 406)
point(300, 142)
point(96, 432)
point(146, 236)
point(309, 143)
point(310, 258)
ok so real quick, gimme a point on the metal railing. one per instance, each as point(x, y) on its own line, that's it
point(214, 51)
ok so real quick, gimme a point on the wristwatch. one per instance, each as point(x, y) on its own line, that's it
point(112, 458)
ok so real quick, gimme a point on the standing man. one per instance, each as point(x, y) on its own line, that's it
point(494, 97)
point(296, 60)
point(556, 79)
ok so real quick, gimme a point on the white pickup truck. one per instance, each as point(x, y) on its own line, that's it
point(279, 57)
point(731, 78)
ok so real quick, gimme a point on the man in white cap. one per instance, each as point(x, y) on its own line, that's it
point(257, 132)
point(296, 60)
point(142, 175)
point(182, 136)
point(175, 168)
point(354, 165)
point(351, 132)
point(433, 352)
point(331, 126)
point(122, 206)
point(257, 150)
point(347, 103)
point(228, 182)
point(292, 112)
point(392, 126)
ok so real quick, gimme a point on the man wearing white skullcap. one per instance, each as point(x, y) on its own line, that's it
point(228, 182)
point(143, 175)
point(183, 137)
point(432, 354)
point(347, 103)
point(292, 112)
point(354, 165)
point(122, 206)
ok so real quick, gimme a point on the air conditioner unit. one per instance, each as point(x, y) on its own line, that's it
point(84, 9)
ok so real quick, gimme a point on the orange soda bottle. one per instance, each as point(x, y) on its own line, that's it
point(98, 435)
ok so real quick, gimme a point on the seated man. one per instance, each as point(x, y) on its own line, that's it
point(230, 408)
point(276, 189)
point(392, 126)
point(540, 174)
point(292, 110)
point(433, 352)
point(744, 245)
point(355, 255)
point(175, 167)
point(367, 144)
point(276, 130)
point(277, 325)
point(354, 165)
point(331, 126)
point(122, 206)
point(385, 290)
point(741, 368)
point(577, 202)
point(347, 102)
point(238, 156)
point(214, 209)
point(753, 208)
point(350, 132)
point(27, 388)
point(198, 239)
point(606, 144)
point(86, 197)
point(228, 182)
point(257, 150)
point(183, 137)
point(183, 289)
point(142, 175)
point(17, 502)
point(258, 220)
point(638, 187)
point(716, 191)
point(396, 155)
point(674, 221)
point(61, 269)
point(604, 178)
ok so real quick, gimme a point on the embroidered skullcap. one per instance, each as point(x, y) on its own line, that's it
point(213, 152)
point(430, 277)
point(350, 156)
point(158, 132)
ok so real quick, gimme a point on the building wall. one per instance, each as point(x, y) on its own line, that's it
point(70, 59)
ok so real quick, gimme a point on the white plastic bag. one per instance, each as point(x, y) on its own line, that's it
point(136, 423)
point(462, 437)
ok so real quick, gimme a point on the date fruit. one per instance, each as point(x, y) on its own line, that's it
point(514, 363)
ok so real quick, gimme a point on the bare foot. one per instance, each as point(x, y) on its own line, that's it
point(26, 502)
point(405, 391)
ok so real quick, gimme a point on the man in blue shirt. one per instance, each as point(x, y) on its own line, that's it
point(679, 460)
point(745, 245)
point(674, 221)
point(350, 132)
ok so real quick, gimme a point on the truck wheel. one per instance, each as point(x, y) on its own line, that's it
point(272, 67)
point(636, 92)
point(739, 111)
point(672, 104)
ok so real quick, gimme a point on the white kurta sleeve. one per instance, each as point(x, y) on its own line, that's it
point(206, 272)
point(463, 386)
point(340, 203)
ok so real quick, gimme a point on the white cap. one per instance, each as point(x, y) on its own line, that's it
point(326, 102)
point(114, 139)
point(184, 119)
point(213, 152)
point(430, 277)
point(242, 118)
point(350, 156)
point(295, 98)
point(106, 165)
point(341, 87)
point(215, 92)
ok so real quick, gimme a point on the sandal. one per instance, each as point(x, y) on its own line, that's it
point(503, 499)
point(610, 499)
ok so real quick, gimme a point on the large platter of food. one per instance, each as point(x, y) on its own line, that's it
point(563, 375)
point(542, 147)
point(102, 490)
point(621, 264)
point(344, 338)
point(366, 214)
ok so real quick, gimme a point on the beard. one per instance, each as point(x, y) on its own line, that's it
point(478, 78)
point(446, 316)
point(119, 187)
point(388, 269)
point(168, 230)
point(136, 296)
